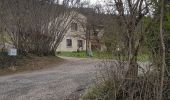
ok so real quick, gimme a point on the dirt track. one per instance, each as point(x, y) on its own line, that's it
point(51, 84)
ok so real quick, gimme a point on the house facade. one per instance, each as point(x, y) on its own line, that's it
point(75, 38)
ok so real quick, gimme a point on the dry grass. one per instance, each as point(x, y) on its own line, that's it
point(12, 65)
point(112, 84)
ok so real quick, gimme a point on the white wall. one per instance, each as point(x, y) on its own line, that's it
point(63, 44)
point(80, 34)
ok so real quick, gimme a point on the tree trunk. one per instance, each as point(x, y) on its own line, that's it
point(133, 67)
point(132, 56)
point(163, 63)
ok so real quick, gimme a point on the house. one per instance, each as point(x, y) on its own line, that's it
point(95, 25)
point(75, 37)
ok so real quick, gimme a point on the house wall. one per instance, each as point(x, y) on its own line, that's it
point(63, 45)
point(79, 34)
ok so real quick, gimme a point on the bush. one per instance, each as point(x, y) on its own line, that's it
point(102, 92)
point(112, 84)
point(5, 53)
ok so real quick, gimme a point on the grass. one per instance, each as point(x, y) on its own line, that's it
point(12, 65)
point(73, 54)
point(143, 57)
point(99, 92)
point(83, 54)
point(99, 55)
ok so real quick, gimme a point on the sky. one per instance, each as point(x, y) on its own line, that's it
point(94, 1)
point(91, 1)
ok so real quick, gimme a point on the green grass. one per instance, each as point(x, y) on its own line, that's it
point(99, 55)
point(73, 54)
point(83, 54)
point(143, 57)
point(103, 91)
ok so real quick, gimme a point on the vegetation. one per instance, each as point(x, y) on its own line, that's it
point(12, 65)
point(99, 55)
point(130, 27)
point(83, 54)
point(102, 92)
point(36, 26)
point(133, 31)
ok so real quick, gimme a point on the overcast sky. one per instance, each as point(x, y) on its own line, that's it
point(94, 1)
point(91, 1)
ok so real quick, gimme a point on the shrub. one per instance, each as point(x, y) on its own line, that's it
point(112, 84)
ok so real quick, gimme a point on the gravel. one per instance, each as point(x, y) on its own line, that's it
point(56, 83)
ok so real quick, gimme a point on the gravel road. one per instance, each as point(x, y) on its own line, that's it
point(51, 84)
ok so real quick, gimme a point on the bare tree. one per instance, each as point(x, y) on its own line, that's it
point(129, 14)
point(163, 65)
point(132, 26)
point(94, 24)
point(37, 26)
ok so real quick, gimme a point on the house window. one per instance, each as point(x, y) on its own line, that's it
point(69, 42)
point(74, 26)
point(80, 43)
